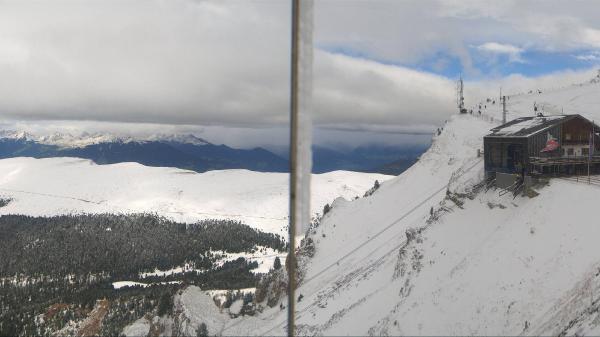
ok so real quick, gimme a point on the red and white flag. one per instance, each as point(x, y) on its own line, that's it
point(551, 144)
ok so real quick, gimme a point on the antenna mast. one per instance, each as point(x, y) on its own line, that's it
point(503, 109)
point(460, 100)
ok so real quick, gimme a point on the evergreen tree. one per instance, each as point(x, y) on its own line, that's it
point(165, 304)
point(326, 209)
point(202, 330)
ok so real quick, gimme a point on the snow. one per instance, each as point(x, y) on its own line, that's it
point(264, 256)
point(125, 284)
point(579, 98)
point(69, 185)
point(178, 138)
point(141, 327)
point(493, 265)
point(349, 224)
point(67, 140)
point(526, 124)
point(236, 306)
point(475, 271)
point(486, 271)
point(196, 307)
point(383, 265)
point(186, 268)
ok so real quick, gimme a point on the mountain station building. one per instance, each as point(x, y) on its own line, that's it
point(542, 145)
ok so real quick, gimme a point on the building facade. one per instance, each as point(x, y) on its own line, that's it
point(562, 144)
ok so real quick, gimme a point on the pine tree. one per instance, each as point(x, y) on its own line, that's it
point(202, 330)
point(164, 304)
point(277, 263)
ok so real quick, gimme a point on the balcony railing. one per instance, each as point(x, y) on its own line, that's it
point(564, 160)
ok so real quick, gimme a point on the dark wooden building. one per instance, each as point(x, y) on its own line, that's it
point(543, 145)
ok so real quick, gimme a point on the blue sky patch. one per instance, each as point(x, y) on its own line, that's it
point(487, 64)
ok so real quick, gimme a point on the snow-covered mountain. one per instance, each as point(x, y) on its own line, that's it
point(433, 253)
point(181, 151)
point(187, 151)
point(68, 140)
point(55, 186)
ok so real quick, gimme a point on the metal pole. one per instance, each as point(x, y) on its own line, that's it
point(291, 261)
point(590, 153)
point(503, 109)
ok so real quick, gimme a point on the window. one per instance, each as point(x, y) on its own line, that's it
point(567, 136)
point(585, 151)
point(570, 151)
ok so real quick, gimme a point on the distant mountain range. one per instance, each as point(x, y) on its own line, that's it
point(194, 153)
point(186, 152)
point(391, 160)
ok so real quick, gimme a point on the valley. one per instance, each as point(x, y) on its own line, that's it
point(117, 242)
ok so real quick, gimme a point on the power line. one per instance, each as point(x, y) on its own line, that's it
point(371, 239)
point(395, 222)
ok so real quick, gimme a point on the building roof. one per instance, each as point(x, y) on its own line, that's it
point(529, 126)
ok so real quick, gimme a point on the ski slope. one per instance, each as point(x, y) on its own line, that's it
point(409, 260)
point(581, 98)
point(70, 185)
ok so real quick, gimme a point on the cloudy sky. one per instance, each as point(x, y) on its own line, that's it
point(384, 71)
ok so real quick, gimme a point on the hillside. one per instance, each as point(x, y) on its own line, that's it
point(54, 186)
point(433, 253)
point(75, 245)
point(580, 98)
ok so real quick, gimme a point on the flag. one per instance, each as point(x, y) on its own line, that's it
point(551, 144)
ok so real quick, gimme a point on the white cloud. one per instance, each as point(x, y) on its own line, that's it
point(589, 57)
point(357, 91)
point(182, 62)
point(513, 52)
point(226, 63)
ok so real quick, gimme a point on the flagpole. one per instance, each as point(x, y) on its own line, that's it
point(592, 148)
point(590, 151)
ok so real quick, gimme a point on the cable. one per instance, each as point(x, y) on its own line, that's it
point(365, 243)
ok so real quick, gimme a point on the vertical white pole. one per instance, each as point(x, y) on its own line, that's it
point(291, 260)
point(300, 138)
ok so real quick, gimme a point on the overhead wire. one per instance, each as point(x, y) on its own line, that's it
point(364, 243)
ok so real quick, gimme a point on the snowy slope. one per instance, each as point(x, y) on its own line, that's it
point(358, 239)
point(579, 98)
point(493, 265)
point(67, 185)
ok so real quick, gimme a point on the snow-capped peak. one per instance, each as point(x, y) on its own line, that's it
point(20, 135)
point(178, 138)
point(68, 140)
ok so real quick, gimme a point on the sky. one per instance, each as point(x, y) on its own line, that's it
point(384, 71)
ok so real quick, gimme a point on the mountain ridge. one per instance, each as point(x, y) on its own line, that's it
point(433, 252)
point(192, 154)
point(187, 151)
